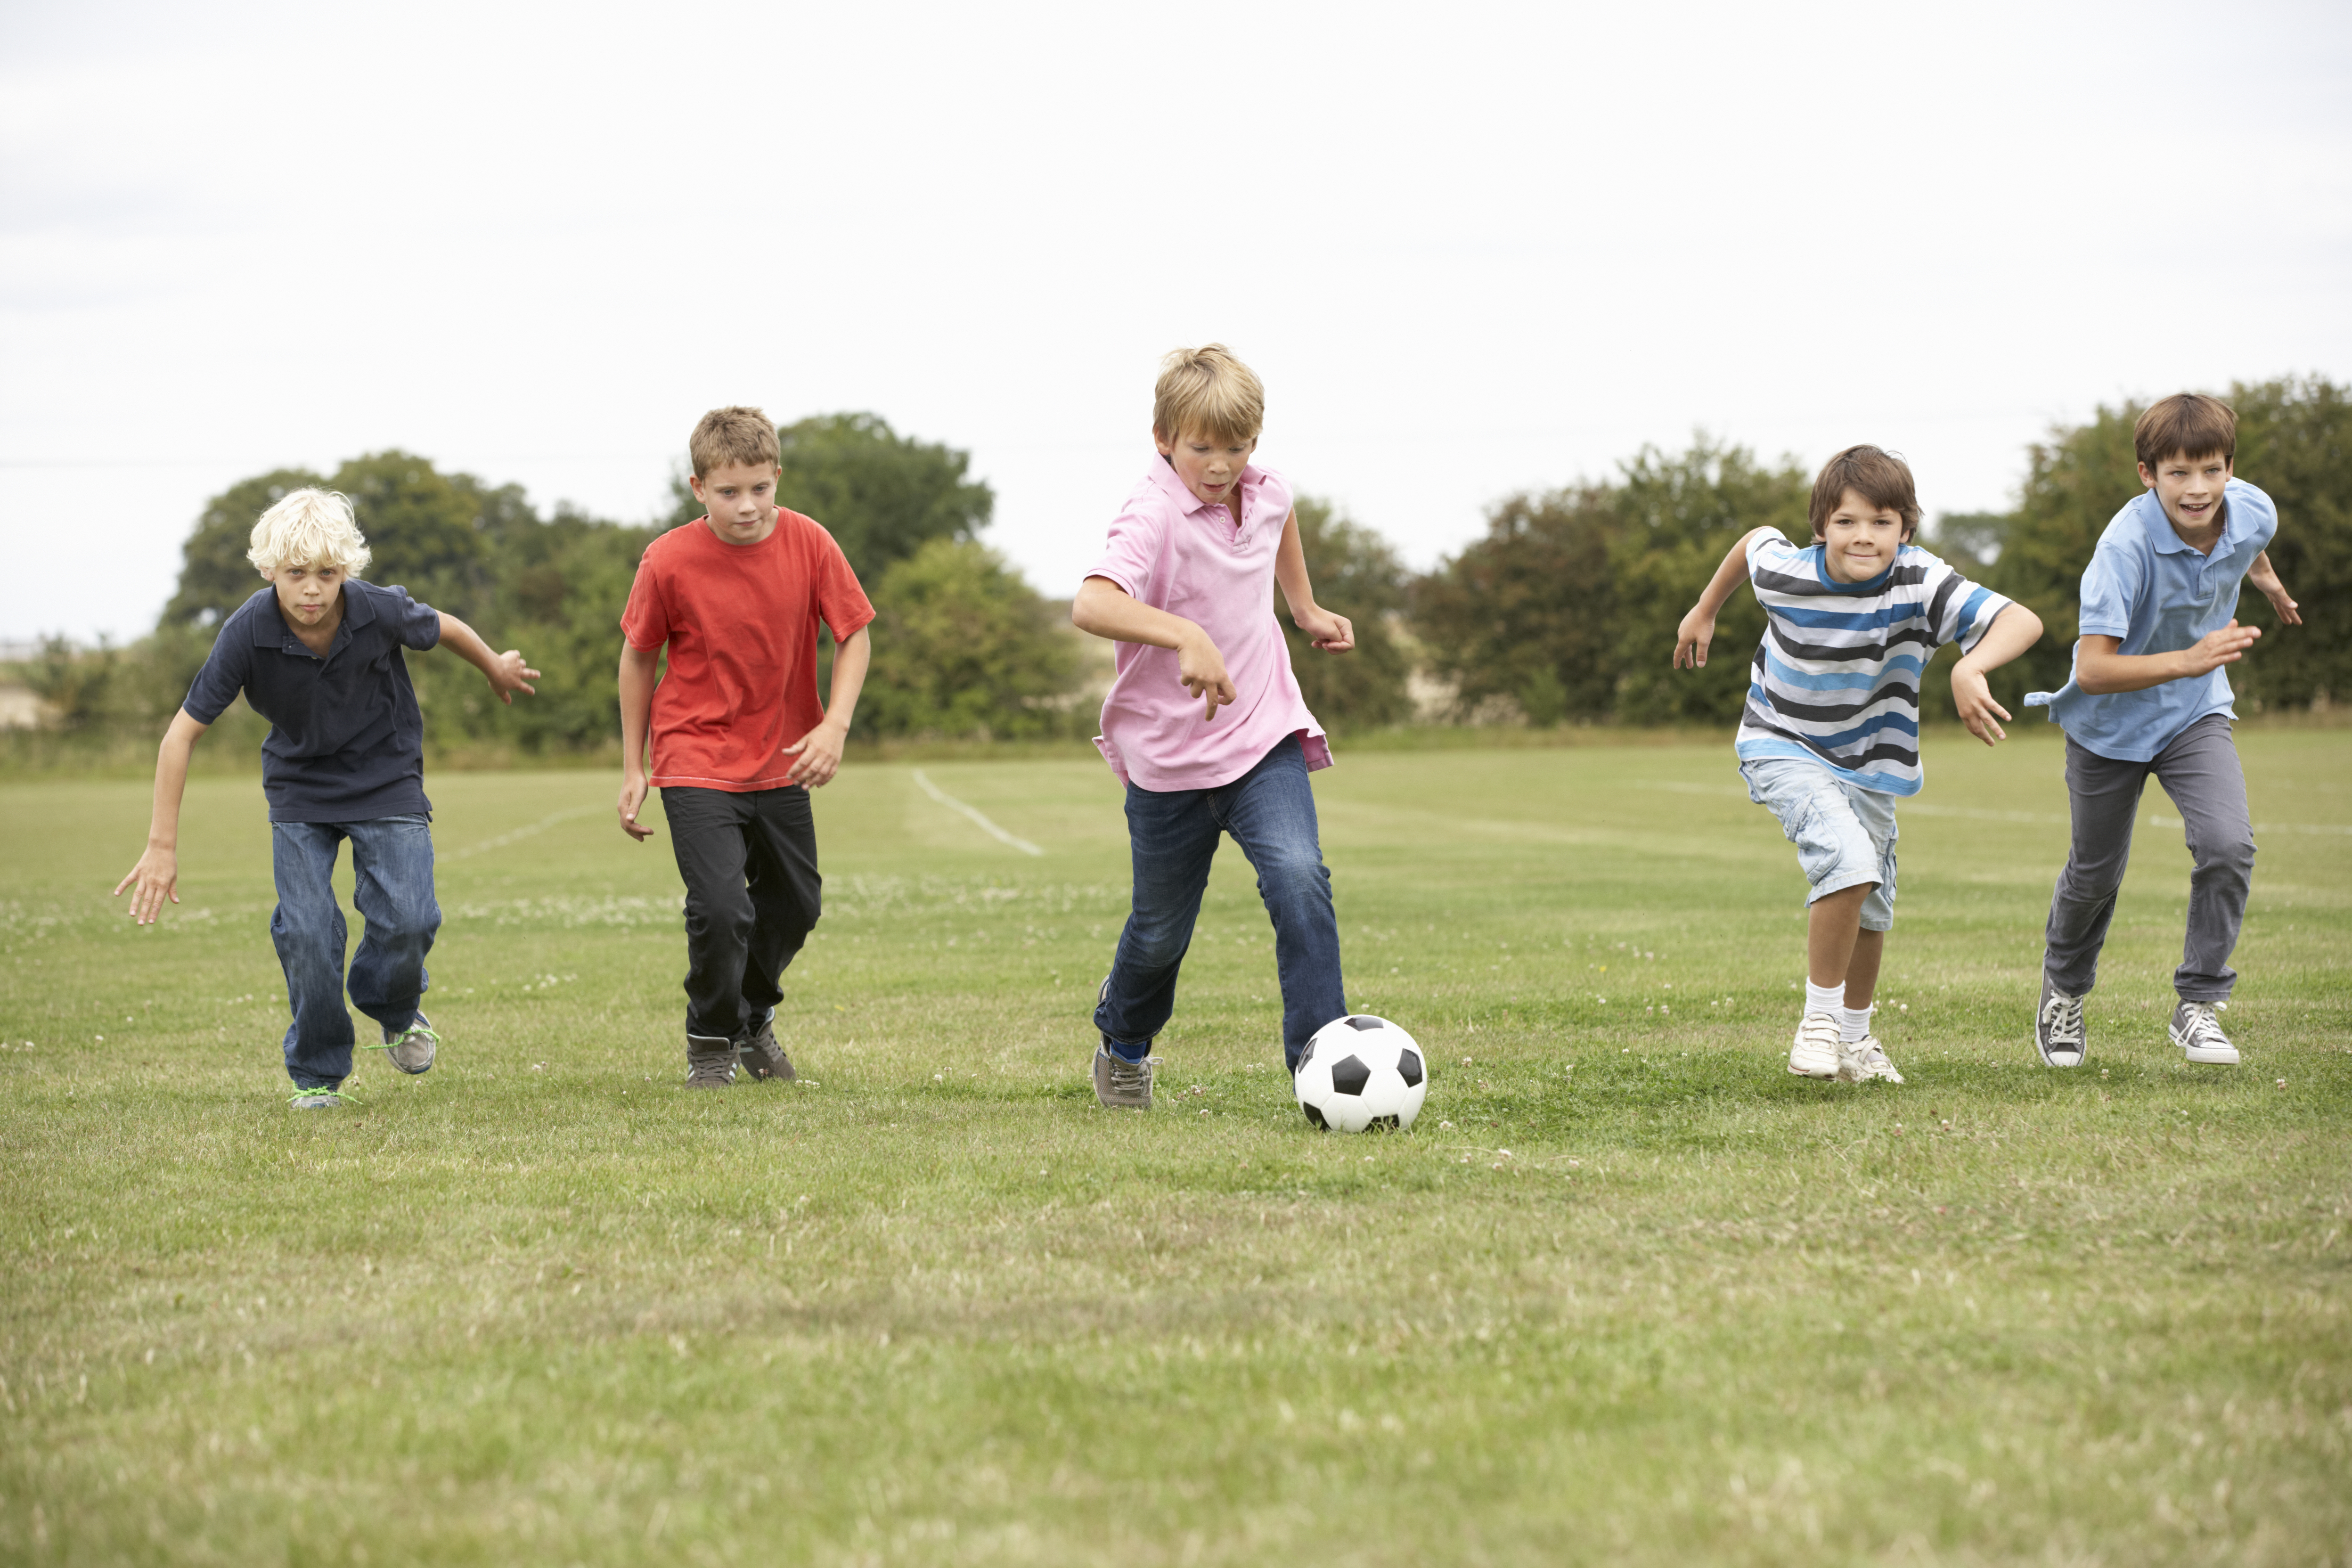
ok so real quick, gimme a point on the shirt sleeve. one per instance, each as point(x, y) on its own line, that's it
point(1773, 551)
point(646, 621)
point(416, 625)
point(1972, 612)
point(1131, 555)
point(2111, 587)
point(226, 669)
point(841, 600)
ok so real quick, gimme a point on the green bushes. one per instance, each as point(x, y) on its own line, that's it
point(1564, 611)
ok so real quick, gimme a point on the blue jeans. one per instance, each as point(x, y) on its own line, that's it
point(1270, 812)
point(391, 867)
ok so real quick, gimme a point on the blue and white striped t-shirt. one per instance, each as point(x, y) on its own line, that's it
point(1836, 680)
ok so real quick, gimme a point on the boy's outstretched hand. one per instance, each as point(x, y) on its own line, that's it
point(2265, 576)
point(816, 756)
point(1202, 668)
point(157, 875)
point(1974, 699)
point(1692, 639)
point(507, 674)
point(632, 802)
point(1331, 632)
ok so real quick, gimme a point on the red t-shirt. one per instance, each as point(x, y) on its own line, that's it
point(741, 621)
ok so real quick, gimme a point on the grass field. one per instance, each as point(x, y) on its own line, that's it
point(1628, 1293)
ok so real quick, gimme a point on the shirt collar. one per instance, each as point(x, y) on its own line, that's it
point(1163, 473)
point(2164, 537)
point(357, 612)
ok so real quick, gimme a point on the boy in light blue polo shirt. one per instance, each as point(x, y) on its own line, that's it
point(2150, 694)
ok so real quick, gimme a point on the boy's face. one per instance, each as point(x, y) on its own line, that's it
point(743, 501)
point(1211, 467)
point(307, 594)
point(1860, 539)
point(2189, 488)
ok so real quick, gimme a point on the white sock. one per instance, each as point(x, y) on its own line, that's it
point(1853, 1023)
point(1824, 998)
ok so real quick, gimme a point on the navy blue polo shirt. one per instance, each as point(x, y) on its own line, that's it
point(346, 742)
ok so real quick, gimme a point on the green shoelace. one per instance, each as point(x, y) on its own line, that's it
point(337, 1095)
point(419, 1027)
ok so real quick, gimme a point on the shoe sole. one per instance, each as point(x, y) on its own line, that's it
point(1829, 1072)
point(2210, 1058)
point(2055, 1059)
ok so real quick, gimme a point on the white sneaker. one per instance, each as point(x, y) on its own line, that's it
point(2196, 1032)
point(1859, 1061)
point(1815, 1052)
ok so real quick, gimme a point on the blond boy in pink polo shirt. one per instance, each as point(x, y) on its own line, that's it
point(1204, 724)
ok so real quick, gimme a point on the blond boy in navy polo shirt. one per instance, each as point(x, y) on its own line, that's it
point(2150, 695)
point(317, 652)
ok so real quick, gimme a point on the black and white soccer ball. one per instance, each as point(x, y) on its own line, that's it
point(1361, 1072)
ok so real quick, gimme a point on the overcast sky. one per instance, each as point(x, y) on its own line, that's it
point(1472, 250)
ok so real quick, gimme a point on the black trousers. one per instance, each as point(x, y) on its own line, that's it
point(752, 895)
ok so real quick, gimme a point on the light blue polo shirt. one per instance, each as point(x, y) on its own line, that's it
point(2147, 588)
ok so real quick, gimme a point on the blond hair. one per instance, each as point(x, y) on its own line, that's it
point(736, 435)
point(1207, 391)
point(308, 528)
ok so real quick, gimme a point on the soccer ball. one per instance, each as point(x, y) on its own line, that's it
point(1360, 1072)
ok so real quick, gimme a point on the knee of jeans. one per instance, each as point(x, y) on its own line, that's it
point(2231, 851)
point(721, 916)
point(1290, 881)
point(407, 919)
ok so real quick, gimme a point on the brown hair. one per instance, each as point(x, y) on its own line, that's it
point(736, 435)
point(1207, 391)
point(1877, 475)
point(2186, 425)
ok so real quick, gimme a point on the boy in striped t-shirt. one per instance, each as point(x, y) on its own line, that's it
point(1830, 738)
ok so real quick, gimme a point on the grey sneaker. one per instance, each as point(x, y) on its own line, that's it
point(2197, 1032)
point(1862, 1060)
point(320, 1097)
point(1120, 1084)
point(709, 1061)
point(411, 1050)
point(2058, 1028)
point(760, 1055)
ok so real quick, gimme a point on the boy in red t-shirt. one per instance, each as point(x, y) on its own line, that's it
point(738, 738)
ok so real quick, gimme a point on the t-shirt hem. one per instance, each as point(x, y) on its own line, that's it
point(1790, 750)
point(1314, 745)
point(357, 811)
point(733, 787)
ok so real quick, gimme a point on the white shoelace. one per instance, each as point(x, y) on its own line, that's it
point(2061, 1021)
point(2201, 1025)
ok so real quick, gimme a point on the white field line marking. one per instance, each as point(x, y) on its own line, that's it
point(542, 826)
point(2327, 827)
point(952, 804)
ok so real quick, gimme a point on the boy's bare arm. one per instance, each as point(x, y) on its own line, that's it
point(157, 873)
point(1104, 609)
point(2265, 579)
point(816, 756)
point(638, 668)
point(1697, 632)
point(1331, 632)
point(2013, 631)
point(506, 671)
point(2102, 670)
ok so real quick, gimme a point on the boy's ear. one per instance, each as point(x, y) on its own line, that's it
point(694, 483)
point(2146, 478)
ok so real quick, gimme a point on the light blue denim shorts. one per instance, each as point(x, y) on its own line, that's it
point(1844, 834)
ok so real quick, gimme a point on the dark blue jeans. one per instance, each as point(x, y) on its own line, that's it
point(1270, 812)
point(392, 868)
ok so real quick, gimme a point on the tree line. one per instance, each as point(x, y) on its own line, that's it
point(1563, 612)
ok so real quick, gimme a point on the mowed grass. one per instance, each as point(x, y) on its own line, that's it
point(1628, 1293)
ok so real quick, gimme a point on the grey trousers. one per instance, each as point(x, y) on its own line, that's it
point(2200, 771)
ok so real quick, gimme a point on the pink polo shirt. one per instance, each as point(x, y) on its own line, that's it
point(1174, 551)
